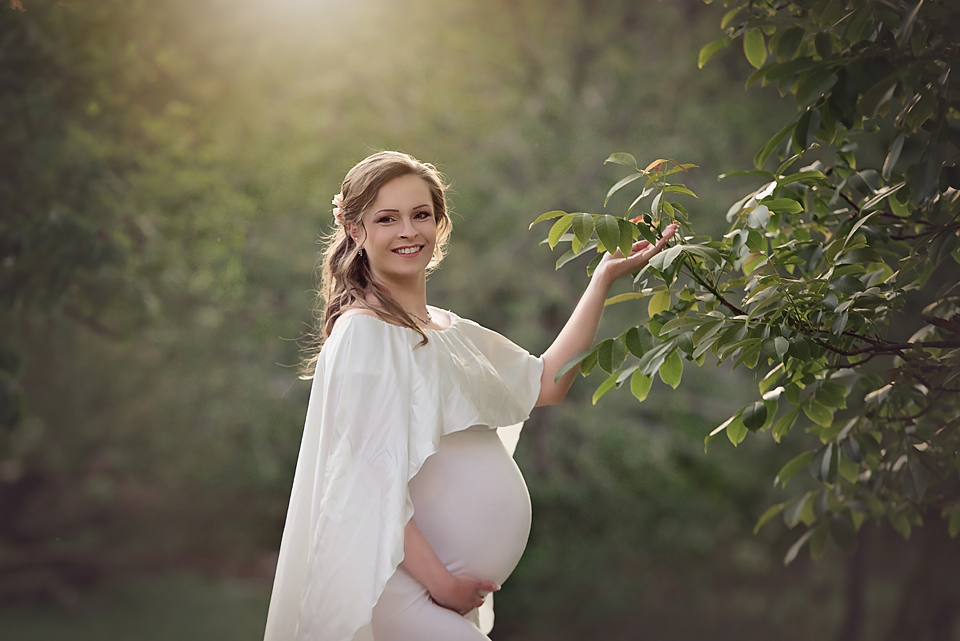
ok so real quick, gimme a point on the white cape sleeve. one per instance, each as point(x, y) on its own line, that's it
point(377, 410)
point(519, 370)
point(349, 502)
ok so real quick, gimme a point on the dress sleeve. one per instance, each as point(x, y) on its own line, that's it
point(343, 536)
point(518, 368)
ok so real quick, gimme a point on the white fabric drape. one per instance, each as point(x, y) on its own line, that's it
point(378, 407)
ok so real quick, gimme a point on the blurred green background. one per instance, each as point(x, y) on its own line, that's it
point(168, 169)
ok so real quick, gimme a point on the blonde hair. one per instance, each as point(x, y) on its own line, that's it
point(344, 273)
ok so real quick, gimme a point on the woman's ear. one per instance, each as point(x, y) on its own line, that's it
point(353, 230)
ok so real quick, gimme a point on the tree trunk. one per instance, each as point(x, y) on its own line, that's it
point(853, 618)
point(930, 601)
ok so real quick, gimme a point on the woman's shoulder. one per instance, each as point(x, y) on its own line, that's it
point(351, 312)
point(358, 319)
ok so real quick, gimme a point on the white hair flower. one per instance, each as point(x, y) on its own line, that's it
point(337, 213)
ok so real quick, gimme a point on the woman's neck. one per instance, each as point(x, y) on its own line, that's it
point(410, 295)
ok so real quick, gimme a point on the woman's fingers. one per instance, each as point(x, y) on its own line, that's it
point(486, 587)
point(643, 250)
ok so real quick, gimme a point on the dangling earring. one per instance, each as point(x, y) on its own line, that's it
point(360, 255)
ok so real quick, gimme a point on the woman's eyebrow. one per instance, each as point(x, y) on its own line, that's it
point(397, 211)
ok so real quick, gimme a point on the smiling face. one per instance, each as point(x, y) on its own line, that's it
point(399, 230)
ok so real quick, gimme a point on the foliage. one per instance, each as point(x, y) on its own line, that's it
point(837, 281)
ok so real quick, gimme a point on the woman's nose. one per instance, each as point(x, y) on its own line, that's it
point(407, 230)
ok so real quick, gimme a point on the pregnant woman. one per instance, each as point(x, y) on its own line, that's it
point(407, 509)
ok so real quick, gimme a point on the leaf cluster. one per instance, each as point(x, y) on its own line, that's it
point(837, 280)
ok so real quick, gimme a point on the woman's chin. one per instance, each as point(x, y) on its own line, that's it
point(401, 269)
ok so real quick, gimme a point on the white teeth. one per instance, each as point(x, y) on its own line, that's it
point(408, 250)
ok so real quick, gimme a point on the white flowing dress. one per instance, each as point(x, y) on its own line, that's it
point(397, 431)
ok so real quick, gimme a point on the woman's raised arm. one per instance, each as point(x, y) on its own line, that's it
point(579, 332)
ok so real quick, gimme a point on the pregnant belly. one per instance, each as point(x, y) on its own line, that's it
point(472, 505)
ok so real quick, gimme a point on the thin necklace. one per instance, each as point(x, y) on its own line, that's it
point(424, 322)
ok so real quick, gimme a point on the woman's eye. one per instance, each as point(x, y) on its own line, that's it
point(422, 214)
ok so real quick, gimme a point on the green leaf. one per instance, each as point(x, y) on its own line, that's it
point(609, 232)
point(736, 431)
point(559, 229)
point(785, 205)
point(783, 426)
point(573, 362)
point(764, 153)
point(647, 233)
point(620, 158)
point(771, 512)
point(588, 363)
point(825, 463)
point(728, 16)
point(654, 358)
point(797, 546)
point(605, 387)
point(795, 511)
point(896, 146)
point(708, 253)
point(550, 215)
point(878, 95)
point(570, 254)
point(638, 340)
point(664, 259)
point(819, 414)
point(752, 172)
point(919, 478)
point(789, 43)
point(847, 285)
point(659, 302)
point(610, 355)
point(843, 533)
point(627, 233)
point(679, 189)
point(851, 450)
point(754, 416)
point(582, 227)
point(621, 298)
point(792, 68)
point(859, 255)
point(623, 182)
point(860, 223)
point(818, 542)
point(640, 385)
point(954, 526)
point(900, 523)
point(755, 48)
point(813, 84)
point(805, 176)
point(672, 370)
point(709, 50)
point(906, 26)
point(831, 394)
point(605, 356)
point(707, 328)
point(795, 464)
point(775, 347)
point(717, 430)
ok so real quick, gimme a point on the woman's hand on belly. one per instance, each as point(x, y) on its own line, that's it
point(458, 592)
point(462, 592)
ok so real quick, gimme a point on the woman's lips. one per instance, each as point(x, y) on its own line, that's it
point(408, 251)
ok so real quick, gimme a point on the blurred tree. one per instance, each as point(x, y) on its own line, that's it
point(109, 223)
